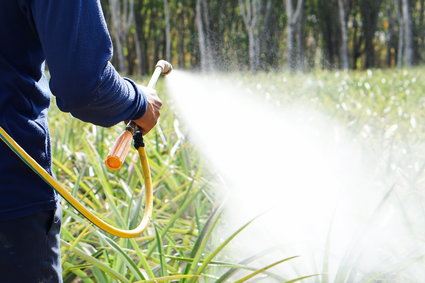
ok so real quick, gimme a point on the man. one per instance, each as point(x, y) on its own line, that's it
point(71, 36)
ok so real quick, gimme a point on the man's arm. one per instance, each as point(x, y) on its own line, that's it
point(78, 48)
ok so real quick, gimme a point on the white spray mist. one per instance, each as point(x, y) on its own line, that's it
point(318, 193)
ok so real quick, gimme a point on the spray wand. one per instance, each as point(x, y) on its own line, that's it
point(113, 161)
point(116, 157)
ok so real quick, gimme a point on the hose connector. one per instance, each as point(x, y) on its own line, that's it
point(138, 139)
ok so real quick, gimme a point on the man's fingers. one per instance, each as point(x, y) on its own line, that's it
point(150, 118)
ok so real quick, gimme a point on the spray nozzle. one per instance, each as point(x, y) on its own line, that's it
point(165, 66)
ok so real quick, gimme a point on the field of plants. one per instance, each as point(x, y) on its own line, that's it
point(382, 108)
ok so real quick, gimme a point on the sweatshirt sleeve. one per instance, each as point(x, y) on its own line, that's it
point(77, 47)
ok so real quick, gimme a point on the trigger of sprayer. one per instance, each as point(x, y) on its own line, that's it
point(119, 151)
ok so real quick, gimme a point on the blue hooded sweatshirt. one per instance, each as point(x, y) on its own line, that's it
point(72, 37)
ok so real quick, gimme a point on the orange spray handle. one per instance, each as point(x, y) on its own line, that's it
point(119, 151)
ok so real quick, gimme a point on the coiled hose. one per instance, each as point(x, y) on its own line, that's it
point(27, 159)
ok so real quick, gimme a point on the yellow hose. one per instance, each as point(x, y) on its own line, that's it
point(76, 204)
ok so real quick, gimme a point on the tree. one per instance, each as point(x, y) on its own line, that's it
point(267, 37)
point(294, 32)
point(167, 31)
point(122, 13)
point(408, 33)
point(202, 20)
point(345, 62)
point(256, 34)
point(329, 28)
point(400, 47)
point(250, 13)
point(369, 12)
point(391, 24)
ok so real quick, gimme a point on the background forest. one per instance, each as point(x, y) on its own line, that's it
point(263, 35)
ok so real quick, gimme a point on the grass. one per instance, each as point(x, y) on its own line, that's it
point(177, 247)
point(381, 107)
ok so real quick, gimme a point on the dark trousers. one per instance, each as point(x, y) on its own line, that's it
point(30, 248)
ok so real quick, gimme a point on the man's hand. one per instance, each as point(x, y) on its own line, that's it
point(150, 118)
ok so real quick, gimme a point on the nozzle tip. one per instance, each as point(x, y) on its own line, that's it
point(113, 163)
point(165, 66)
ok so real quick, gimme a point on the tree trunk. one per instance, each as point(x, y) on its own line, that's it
point(391, 44)
point(294, 17)
point(300, 42)
point(255, 39)
point(167, 31)
point(207, 32)
point(290, 36)
point(138, 50)
point(357, 43)
point(329, 27)
point(249, 11)
point(122, 14)
point(408, 33)
point(203, 51)
point(420, 32)
point(291, 47)
point(345, 63)
point(370, 13)
point(421, 13)
point(400, 48)
point(181, 41)
point(115, 9)
point(265, 48)
point(252, 55)
point(201, 36)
